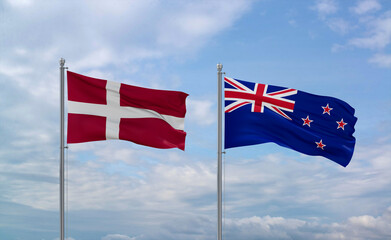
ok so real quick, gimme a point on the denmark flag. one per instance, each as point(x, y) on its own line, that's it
point(100, 110)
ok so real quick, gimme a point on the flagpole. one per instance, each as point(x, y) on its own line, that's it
point(219, 152)
point(62, 68)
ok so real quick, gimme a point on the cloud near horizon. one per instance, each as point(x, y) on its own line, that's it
point(362, 227)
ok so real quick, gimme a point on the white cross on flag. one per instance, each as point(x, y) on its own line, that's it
point(100, 110)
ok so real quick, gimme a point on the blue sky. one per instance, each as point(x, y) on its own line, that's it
point(121, 191)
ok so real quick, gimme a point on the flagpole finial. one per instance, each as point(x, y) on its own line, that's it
point(62, 62)
point(219, 67)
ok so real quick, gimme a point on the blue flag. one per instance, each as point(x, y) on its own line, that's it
point(314, 125)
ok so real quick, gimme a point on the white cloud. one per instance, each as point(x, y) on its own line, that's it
point(338, 25)
point(15, 71)
point(247, 188)
point(267, 221)
point(382, 60)
point(358, 228)
point(366, 227)
point(261, 228)
point(99, 35)
point(197, 20)
point(201, 112)
point(171, 184)
point(292, 22)
point(325, 7)
point(97, 58)
point(365, 6)
point(378, 35)
point(96, 35)
point(20, 3)
point(337, 47)
point(119, 183)
point(118, 237)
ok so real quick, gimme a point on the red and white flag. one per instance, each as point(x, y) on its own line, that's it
point(100, 110)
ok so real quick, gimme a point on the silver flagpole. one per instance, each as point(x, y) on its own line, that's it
point(219, 153)
point(62, 68)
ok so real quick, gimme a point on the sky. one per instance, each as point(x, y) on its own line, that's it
point(117, 190)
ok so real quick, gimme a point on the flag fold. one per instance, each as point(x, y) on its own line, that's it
point(101, 110)
point(314, 125)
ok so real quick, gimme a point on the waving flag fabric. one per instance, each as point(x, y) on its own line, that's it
point(100, 110)
point(315, 125)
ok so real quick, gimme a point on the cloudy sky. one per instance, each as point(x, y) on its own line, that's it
point(117, 190)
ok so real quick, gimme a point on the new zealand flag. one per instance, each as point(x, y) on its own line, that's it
point(315, 125)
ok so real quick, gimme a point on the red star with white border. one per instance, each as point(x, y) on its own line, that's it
point(327, 109)
point(341, 124)
point(307, 121)
point(320, 144)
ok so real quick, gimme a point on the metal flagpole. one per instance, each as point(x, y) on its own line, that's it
point(62, 68)
point(219, 152)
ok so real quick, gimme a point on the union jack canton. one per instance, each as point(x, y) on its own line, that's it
point(314, 125)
